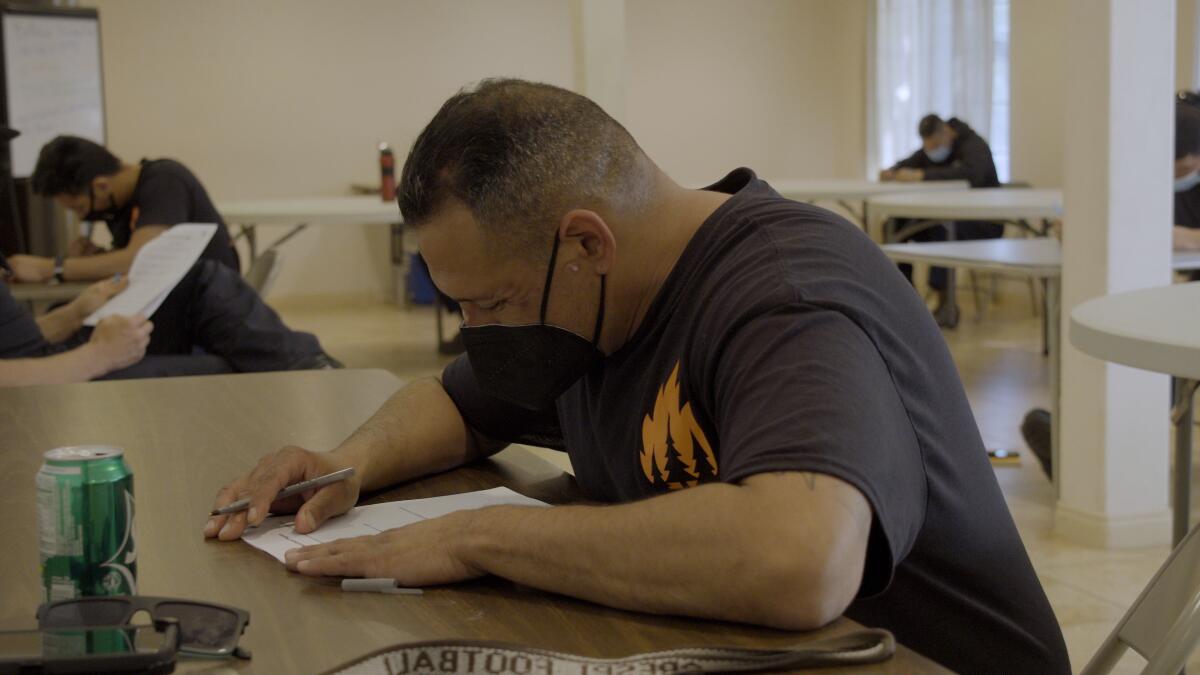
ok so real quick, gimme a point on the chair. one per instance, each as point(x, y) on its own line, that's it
point(1163, 625)
point(263, 271)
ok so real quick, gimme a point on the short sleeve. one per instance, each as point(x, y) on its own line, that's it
point(804, 389)
point(163, 199)
point(495, 418)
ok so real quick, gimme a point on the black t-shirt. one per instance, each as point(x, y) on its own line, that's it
point(20, 336)
point(784, 340)
point(167, 193)
point(1187, 208)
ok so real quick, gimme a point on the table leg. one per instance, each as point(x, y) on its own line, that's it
point(1053, 348)
point(1181, 416)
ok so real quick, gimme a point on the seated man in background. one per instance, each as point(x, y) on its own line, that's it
point(1186, 233)
point(1185, 236)
point(136, 201)
point(211, 309)
point(950, 150)
point(772, 417)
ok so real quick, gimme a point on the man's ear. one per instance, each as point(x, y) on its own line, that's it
point(102, 186)
point(594, 235)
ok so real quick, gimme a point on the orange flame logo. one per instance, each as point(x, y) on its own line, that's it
point(675, 452)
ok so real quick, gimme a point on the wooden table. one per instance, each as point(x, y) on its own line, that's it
point(183, 437)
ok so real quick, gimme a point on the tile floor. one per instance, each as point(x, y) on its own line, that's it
point(1004, 373)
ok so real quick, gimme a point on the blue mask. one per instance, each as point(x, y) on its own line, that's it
point(938, 154)
point(1185, 183)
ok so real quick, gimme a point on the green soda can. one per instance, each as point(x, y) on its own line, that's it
point(85, 523)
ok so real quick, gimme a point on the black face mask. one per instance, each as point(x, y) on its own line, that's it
point(531, 366)
point(93, 214)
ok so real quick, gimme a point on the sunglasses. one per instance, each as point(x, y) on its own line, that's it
point(205, 629)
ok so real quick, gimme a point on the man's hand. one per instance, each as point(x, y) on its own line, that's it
point(887, 175)
point(907, 175)
point(275, 472)
point(94, 296)
point(120, 341)
point(1185, 238)
point(32, 269)
point(82, 247)
point(422, 554)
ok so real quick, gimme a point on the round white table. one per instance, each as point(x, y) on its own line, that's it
point(1156, 329)
point(849, 192)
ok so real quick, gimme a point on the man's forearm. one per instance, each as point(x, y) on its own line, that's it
point(60, 323)
point(731, 552)
point(77, 365)
point(418, 431)
point(99, 266)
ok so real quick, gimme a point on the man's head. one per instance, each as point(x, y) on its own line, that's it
point(505, 169)
point(1187, 138)
point(936, 137)
point(77, 173)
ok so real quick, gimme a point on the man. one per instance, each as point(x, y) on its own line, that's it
point(774, 421)
point(1186, 233)
point(1185, 236)
point(138, 202)
point(950, 150)
point(211, 309)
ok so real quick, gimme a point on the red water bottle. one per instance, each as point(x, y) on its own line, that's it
point(387, 173)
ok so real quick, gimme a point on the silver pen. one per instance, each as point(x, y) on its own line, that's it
point(319, 481)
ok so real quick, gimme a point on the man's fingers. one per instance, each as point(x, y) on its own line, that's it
point(327, 502)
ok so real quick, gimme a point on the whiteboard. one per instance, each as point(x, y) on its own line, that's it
point(53, 82)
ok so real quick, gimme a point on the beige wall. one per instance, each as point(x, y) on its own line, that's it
point(291, 97)
point(1038, 78)
point(280, 98)
point(777, 85)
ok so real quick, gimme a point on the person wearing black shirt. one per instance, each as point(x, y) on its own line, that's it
point(136, 201)
point(212, 322)
point(767, 415)
point(950, 150)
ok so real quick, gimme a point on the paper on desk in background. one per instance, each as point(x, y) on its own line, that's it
point(157, 268)
point(276, 535)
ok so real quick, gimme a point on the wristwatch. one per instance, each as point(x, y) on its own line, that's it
point(58, 269)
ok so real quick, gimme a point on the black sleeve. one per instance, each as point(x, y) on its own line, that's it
point(496, 419)
point(20, 336)
point(163, 199)
point(804, 389)
point(917, 160)
point(973, 164)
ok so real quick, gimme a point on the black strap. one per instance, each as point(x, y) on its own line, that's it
point(468, 657)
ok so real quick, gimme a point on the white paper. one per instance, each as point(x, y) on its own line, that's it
point(276, 535)
point(157, 268)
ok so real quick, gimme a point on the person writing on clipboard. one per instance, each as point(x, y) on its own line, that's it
point(770, 419)
point(137, 202)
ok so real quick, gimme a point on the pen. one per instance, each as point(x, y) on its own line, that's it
point(320, 481)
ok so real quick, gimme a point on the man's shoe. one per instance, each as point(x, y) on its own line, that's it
point(1036, 430)
point(946, 313)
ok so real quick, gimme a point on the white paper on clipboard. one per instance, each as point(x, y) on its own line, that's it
point(157, 268)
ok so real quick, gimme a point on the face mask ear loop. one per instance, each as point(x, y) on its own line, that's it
point(600, 314)
point(549, 278)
